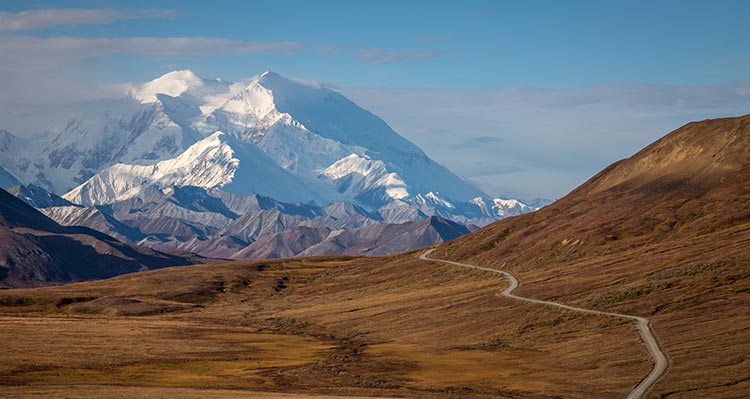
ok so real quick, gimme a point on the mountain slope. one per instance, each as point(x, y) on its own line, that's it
point(93, 218)
point(663, 233)
point(330, 115)
point(385, 239)
point(37, 251)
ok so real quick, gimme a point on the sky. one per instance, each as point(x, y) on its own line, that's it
point(525, 98)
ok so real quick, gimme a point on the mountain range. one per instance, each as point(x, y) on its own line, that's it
point(218, 224)
point(294, 143)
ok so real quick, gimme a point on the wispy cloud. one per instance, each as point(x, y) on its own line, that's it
point(77, 48)
point(47, 69)
point(71, 48)
point(50, 18)
point(376, 55)
point(544, 140)
point(483, 140)
point(379, 56)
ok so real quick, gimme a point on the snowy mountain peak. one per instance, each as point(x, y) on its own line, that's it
point(253, 99)
point(289, 139)
point(217, 161)
point(175, 84)
point(184, 75)
point(295, 93)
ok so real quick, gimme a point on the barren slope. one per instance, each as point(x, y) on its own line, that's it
point(663, 234)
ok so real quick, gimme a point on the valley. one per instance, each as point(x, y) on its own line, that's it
point(375, 327)
point(349, 200)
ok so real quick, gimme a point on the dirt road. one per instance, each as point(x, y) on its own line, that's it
point(661, 363)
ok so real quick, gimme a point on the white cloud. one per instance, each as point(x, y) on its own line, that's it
point(50, 18)
point(39, 70)
point(35, 70)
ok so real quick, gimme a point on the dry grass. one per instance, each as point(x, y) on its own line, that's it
point(391, 326)
point(115, 392)
point(147, 352)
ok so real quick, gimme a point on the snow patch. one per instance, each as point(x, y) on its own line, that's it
point(358, 173)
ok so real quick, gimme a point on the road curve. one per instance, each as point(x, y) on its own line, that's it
point(661, 363)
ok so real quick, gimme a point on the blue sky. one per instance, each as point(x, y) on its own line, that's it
point(524, 98)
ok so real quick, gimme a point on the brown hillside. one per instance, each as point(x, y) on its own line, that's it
point(697, 156)
point(665, 234)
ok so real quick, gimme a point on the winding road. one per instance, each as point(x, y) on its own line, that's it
point(661, 363)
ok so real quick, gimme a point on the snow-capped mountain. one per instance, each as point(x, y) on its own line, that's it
point(290, 140)
point(218, 160)
point(128, 132)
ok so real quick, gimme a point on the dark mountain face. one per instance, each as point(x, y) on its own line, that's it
point(197, 199)
point(18, 214)
point(35, 250)
point(38, 197)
